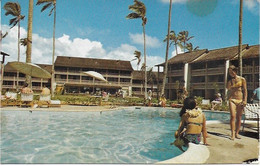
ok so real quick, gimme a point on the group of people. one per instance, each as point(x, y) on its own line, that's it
point(27, 90)
point(193, 121)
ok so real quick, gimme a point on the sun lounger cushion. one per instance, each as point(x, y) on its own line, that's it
point(45, 97)
point(26, 97)
point(55, 102)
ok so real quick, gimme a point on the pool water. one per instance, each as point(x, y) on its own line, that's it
point(125, 136)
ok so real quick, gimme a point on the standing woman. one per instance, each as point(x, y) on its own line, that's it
point(237, 100)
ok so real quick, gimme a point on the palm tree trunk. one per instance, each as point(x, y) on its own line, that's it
point(167, 50)
point(240, 38)
point(145, 72)
point(18, 57)
point(53, 54)
point(29, 38)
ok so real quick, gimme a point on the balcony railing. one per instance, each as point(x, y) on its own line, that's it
point(216, 71)
point(198, 72)
point(175, 73)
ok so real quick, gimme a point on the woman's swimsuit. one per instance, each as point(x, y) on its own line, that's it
point(193, 138)
point(236, 85)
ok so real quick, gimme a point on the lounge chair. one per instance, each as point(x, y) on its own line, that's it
point(205, 102)
point(105, 100)
point(44, 100)
point(55, 103)
point(26, 99)
point(252, 113)
point(10, 99)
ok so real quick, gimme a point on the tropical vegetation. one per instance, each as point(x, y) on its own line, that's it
point(14, 9)
point(139, 11)
point(47, 4)
point(165, 69)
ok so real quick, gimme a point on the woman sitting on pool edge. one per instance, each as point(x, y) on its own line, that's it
point(192, 124)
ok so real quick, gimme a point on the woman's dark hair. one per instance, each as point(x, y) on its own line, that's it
point(188, 103)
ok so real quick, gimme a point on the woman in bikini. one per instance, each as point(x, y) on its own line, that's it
point(237, 100)
point(192, 124)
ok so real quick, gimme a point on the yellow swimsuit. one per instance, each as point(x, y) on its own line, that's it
point(237, 85)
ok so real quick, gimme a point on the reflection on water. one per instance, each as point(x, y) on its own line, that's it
point(127, 136)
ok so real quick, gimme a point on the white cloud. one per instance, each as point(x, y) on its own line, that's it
point(42, 47)
point(179, 50)
point(78, 47)
point(151, 61)
point(152, 42)
point(174, 1)
point(252, 4)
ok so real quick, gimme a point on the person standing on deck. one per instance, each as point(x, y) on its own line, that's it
point(237, 100)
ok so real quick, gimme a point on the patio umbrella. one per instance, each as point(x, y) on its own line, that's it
point(95, 75)
point(30, 69)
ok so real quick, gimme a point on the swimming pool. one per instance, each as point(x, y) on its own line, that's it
point(123, 136)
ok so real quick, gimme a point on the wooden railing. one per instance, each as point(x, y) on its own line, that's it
point(198, 72)
point(216, 71)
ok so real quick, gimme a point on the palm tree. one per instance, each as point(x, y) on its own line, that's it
point(184, 38)
point(165, 69)
point(47, 4)
point(137, 57)
point(24, 41)
point(240, 38)
point(14, 9)
point(151, 77)
point(29, 38)
point(174, 40)
point(190, 48)
point(3, 35)
point(139, 11)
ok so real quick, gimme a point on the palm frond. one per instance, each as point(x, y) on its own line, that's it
point(48, 5)
point(12, 8)
point(133, 16)
point(3, 36)
point(51, 11)
point(39, 2)
point(13, 22)
point(189, 38)
point(196, 48)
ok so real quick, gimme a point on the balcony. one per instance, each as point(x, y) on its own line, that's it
point(198, 72)
point(198, 85)
point(175, 73)
point(216, 71)
point(171, 85)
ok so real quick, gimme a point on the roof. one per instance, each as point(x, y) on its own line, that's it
point(186, 57)
point(138, 75)
point(8, 67)
point(220, 54)
point(250, 52)
point(93, 63)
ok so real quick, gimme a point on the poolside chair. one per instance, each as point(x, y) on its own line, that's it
point(205, 102)
point(26, 99)
point(10, 99)
point(251, 113)
point(105, 100)
point(55, 103)
point(44, 100)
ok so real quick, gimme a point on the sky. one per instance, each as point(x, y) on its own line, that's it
point(99, 28)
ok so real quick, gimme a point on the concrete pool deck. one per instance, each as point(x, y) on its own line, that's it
point(221, 149)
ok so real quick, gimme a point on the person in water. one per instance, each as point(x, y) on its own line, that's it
point(237, 98)
point(192, 124)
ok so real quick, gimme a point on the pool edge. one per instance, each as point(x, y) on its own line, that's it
point(188, 156)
